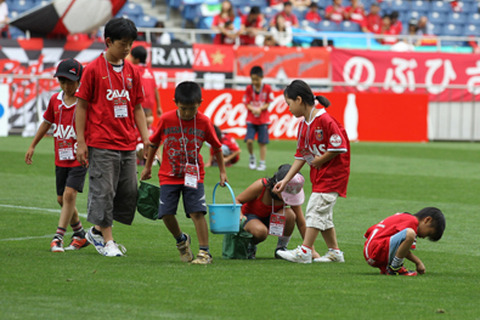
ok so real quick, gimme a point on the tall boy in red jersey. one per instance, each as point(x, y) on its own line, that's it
point(109, 107)
point(182, 133)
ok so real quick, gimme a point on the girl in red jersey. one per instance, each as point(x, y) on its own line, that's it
point(260, 203)
point(69, 173)
point(324, 145)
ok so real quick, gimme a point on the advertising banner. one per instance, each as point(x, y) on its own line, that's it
point(408, 72)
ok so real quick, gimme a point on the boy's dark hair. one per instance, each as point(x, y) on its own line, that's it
point(256, 70)
point(255, 10)
point(139, 53)
point(188, 92)
point(218, 132)
point(120, 28)
point(438, 221)
point(301, 88)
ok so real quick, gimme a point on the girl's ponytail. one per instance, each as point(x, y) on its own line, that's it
point(323, 101)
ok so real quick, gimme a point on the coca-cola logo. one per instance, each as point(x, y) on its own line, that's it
point(223, 113)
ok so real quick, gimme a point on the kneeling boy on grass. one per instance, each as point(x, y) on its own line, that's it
point(391, 240)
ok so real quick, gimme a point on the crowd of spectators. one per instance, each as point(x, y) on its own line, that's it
point(256, 29)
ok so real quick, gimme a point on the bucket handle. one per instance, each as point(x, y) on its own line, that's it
point(229, 188)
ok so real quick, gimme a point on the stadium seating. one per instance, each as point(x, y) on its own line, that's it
point(472, 30)
point(453, 30)
point(420, 6)
point(326, 25)
point(473, 18)
point(437, 17)
point(440, 6)
point(146, 21)
point(456, 18)
point(349, 26)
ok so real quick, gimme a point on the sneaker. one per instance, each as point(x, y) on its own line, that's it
point(186, 254)
point(400, 271)
point(331, 256)
point(96, 240)
point(56, 245)
point(252, 163)
point(261, 167)
point(279, 249)
point(203, 257)
point(299, 255)
point(113, 249)
point(251, 251)
point(77, 243)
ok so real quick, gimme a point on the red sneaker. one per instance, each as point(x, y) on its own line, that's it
point(401, 271)
point(77, 243)
point(56, 245)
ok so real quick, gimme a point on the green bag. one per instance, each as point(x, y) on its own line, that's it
point(235, 245)
point(148, 200)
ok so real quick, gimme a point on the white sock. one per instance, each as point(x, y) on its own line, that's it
point(397, 262)
point(283, 242)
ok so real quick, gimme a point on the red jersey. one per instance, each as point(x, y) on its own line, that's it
point(377, 245)
point(356, 15)
point(374, 23)
point(258, 99)
point(112, 97)
point(337, 13)
point(290, 19)
point(149, 87)
point(257, 207)
point(62, 118)
point(313, 17)
point(179, 147)
point(229, 146)
point(246, 39)
point(322, 134)
point(218, 20)
point(397, 27)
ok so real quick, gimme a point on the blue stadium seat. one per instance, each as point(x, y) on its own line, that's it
point(326, 25)
point(437, 29)
point(420, 5)
point(413, 15)
point(146, 21)
point(400, 6)
point(472, 30)
point(453, 30)
point(21, 5)
point(269, 13)
point(440, 6)
point(349, 26)
point(16, 33)
point(473, 18)
point(456, 18)
point(437, 17)
point(132, 9)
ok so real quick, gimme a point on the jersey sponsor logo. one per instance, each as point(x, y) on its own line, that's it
point(336, 140)
point(129, 83)
point(114, 94)
point(317, 150)
point(319, 134)
point(64, 132)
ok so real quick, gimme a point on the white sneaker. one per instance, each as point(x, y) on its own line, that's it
point(112, 249)
point(331, 256)
point(299, 255)
point(96, 240)
point(253, 163)
point(261, 166)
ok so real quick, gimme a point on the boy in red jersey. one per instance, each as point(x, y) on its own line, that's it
point(182, 133)
point(109, 112)
point(138, 56)
point(391, 240)
point(257, 98)
point(70, 175)
point(230, 149)
point(323, 143)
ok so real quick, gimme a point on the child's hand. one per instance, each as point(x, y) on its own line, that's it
point(29, 155)
point(420, 267)
point(223, 179)
point(82, 154)
point(279, 187)
point(146, 174)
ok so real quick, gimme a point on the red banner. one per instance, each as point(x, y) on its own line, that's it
point(278, 62)
point(403, 72)
point(366, 116)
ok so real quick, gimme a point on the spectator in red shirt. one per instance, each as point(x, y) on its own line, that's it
point(290, 18)
point(388, 31)
point(252, 23)
point(313, 15)
point(226, 14)
point(396, 24)
point(335, 12)
point(356, 13)
point(373, 19)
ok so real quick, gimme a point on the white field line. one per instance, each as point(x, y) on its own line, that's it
point(43, 211)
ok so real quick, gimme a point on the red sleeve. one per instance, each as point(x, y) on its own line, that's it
point(156, 137)
point(247, 97)
point(86, 88)
point(269, 94)
point(49, 114)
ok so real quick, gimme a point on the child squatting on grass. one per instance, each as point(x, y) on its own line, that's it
point(182, 133)
point(392, 240)
point(70, 174)
point(109, 112)
point(260, 203)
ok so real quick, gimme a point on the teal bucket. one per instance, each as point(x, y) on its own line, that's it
point(224, 218)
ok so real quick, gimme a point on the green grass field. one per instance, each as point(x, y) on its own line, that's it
point(152, 283)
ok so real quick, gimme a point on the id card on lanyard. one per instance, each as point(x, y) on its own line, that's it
point(120, 109)
point(277, 223)
point(191, 176)
point(64, 147)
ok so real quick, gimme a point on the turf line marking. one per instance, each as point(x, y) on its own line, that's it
point(37, 209)
point(28, 238)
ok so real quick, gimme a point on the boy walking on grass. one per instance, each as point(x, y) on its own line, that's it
point(182, 133)
point(391, 240)
point(108, 110)
point(70, 175)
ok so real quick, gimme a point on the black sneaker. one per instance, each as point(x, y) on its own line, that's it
point(251, 251)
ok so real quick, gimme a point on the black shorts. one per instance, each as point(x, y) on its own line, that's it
point(193, 199)
point(72, 177)
point(264, 220)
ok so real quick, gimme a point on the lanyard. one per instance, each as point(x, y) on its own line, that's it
point(61, 112)
point(273, 207)
point(108, 73)
point(185, 140)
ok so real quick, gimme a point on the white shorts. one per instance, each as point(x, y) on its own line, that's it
point(319, 213)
